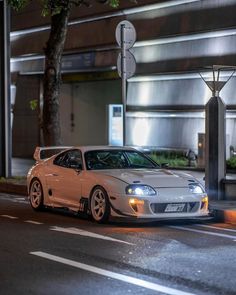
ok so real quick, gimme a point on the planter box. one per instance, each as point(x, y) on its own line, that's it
point(229, 188)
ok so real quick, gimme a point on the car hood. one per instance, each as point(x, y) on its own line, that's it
point(153, 177)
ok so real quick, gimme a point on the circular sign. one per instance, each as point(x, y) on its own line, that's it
point(129, 34)
point(129, 65)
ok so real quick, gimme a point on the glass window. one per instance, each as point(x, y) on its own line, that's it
point(138, 160)
point(70, 159)
point(47, 153)
point(117, 159)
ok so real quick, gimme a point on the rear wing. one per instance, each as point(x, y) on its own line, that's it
point(43, 153)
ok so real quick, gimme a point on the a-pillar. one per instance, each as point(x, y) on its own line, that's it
point(215, 147)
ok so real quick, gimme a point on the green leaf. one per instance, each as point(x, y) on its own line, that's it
point(114, 3)
point(33, 104)
point(18, 4)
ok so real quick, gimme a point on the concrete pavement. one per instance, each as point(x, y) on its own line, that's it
point(224, 211)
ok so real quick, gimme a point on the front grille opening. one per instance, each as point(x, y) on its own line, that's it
point(189, 207)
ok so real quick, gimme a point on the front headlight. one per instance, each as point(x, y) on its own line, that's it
point(196, 188)
point(140, 190)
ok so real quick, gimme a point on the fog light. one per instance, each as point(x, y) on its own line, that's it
point(204, 202)
point(134, 203)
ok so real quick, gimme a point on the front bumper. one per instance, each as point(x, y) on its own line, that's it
point(151, 207)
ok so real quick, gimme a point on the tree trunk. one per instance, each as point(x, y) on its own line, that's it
point(52, 77)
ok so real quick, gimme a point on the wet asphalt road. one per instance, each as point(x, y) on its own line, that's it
point(57, 253)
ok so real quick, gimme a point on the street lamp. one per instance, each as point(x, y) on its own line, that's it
point(215, 78)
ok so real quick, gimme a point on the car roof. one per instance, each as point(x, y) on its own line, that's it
point(38, 151)
point(101, 147)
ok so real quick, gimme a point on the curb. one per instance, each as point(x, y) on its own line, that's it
point(224, 215)
point(12, 188)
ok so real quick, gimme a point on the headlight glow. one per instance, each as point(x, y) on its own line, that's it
point(140, 190)
point(196, 189)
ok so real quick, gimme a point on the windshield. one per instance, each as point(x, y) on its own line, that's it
point(117, 159)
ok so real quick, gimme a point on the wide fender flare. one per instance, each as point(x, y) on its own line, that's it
point(112, 185)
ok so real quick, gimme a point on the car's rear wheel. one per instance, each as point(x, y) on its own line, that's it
point(99, 205)
point(36, 195)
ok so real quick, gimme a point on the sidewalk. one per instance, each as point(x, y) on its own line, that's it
point(224, 211)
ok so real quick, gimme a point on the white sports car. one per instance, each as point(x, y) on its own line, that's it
point(112, 181)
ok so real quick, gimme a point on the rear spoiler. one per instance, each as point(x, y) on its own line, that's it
point(42, 153)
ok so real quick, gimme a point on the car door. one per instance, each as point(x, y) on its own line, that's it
point(64, 181)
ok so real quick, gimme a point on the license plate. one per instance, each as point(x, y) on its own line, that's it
point(175, 207)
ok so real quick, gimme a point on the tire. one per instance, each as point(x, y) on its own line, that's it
point(36, 195)
point(99, 205)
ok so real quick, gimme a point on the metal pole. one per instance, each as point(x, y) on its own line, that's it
point(5, 101)
point(123, 71)
point(8, 89)
point(215, 147)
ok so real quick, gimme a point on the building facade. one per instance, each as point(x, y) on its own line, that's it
point(165, 98)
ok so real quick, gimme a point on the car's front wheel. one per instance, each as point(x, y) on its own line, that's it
point(99, 205)
point(36, 195)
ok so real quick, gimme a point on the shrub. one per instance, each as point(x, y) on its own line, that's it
point(231, 163)
point(174, 159)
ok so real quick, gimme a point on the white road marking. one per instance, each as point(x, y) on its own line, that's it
point(9, 216)
point(216, 227)
point(18, 201)
point(33, 222)
point(113, 275)
point(13, 198)
point(77, 231)
point(203, 232)
point(21, 200)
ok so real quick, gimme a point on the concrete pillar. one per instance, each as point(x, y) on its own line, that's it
point(5, 120)
point(215, 147)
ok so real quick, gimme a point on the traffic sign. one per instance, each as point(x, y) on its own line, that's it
point(130, 65)
point(129, 34)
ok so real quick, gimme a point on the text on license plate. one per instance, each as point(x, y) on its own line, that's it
point(175, 207)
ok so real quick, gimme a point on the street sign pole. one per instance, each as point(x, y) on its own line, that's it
point(126, 64)
point(123, 75)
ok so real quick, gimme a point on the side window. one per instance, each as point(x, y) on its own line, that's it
point(70, 159)
point(74, 160)
point(59, 160)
